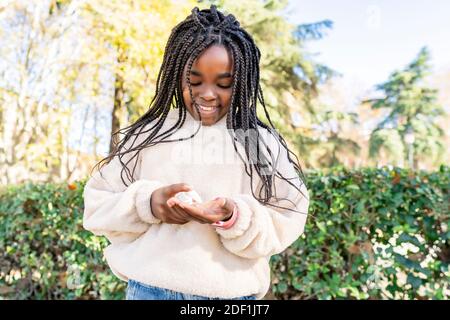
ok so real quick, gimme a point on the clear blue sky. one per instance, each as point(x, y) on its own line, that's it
point(370, 39)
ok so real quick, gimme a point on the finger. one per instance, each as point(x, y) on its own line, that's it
point(217, 206)
point(200, 213)
point(172, 216)
point(177, 187)
point(171, 202)
point(220, 200)
point(175, 203)
point(179, 216)
point(226, 204)
point(185, 215)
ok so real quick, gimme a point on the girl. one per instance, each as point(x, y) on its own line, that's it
point(201, 133)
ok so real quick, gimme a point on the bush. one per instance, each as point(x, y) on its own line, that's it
point(371, 234)
point(48, 254)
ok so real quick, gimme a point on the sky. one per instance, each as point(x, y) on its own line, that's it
point(372, 38)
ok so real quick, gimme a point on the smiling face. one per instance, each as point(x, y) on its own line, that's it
point(211, 82)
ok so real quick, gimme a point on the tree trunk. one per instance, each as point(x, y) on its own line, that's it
point(118, 106)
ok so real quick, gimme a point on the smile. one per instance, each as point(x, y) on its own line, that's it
point(207, 109)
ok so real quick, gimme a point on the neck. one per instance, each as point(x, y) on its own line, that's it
point(190, 120)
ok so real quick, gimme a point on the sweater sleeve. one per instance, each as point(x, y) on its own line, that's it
point(119, 212)
point(263, 231)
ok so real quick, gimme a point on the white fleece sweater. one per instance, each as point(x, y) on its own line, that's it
point(194, 258)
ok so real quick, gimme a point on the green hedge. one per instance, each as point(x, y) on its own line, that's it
point(371, 234)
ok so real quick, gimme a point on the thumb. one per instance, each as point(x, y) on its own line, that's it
point(221, 200)
point(178, 187)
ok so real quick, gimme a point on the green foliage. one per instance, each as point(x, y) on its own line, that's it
point(388, 139)
point(373, 233)
point(330, 123)
point(137, 32)
point(47, 253)
point(289, 74)
point(411, 107)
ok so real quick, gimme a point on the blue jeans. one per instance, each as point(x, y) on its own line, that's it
point(140, 291)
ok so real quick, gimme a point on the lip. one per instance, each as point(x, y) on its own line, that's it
point(205, 105)
point(205, 112)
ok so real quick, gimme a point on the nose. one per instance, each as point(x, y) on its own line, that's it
point(207, 94)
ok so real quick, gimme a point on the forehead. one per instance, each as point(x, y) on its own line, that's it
point(214, 59)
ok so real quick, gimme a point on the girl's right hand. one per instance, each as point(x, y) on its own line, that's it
point(161, 209)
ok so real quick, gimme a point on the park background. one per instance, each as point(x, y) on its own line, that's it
point(359, 89)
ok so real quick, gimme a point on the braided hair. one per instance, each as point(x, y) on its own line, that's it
point(200, 30)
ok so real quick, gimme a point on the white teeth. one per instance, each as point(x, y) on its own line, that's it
point(206, 108)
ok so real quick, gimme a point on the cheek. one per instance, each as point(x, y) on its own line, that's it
point(225, 98)
point(186, 96)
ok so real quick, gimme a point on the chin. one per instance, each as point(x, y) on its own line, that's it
point(209, 122)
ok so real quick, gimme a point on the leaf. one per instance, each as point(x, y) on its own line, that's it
point(415, 282)
point(398, 199)
point(354, 292)
point(353, 187)
point(282, 287)
point(321, 226)
point(404, 237)
point(360, 206)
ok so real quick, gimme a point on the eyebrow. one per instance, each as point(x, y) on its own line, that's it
point(220, 76)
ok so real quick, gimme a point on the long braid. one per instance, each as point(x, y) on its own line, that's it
point(188, 39)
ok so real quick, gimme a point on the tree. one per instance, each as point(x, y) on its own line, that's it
point(135, 33)
point(35, 121)
point(91, 55)
point(441, 81)
point(289, 76)
point(335, 145)
point(411, 107)
point(332, 135)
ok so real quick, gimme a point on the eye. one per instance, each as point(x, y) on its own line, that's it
point(196, 84)
point(224, 87)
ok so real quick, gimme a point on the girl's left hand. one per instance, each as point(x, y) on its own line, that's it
point(220, 208)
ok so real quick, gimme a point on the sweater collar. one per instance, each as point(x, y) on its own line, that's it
point(191, 121)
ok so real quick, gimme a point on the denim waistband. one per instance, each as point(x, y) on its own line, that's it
point(140, 291)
